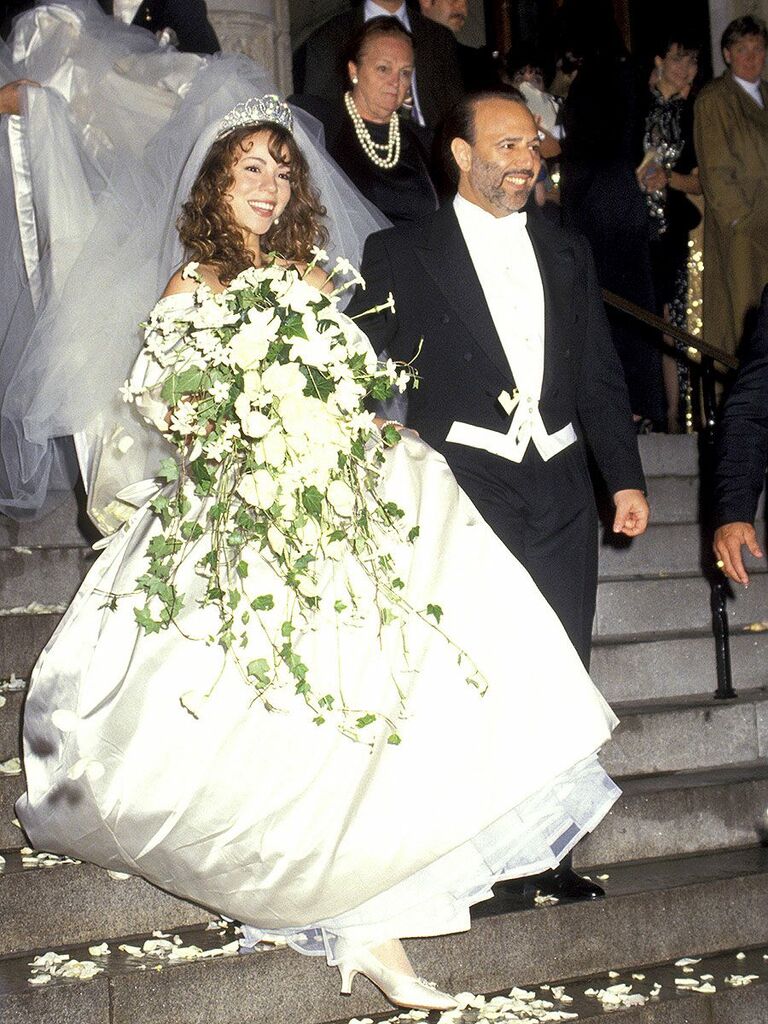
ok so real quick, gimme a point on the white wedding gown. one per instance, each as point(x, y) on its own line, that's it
point(289, 827)
point(294, 828)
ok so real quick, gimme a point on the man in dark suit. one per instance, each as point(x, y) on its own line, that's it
point(742, 455)
point(319, 64)
point(519, 377)
point(187, 19)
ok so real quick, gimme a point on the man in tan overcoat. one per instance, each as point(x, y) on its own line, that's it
point(731, 136)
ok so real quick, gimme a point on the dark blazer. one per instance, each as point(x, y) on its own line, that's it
point(319, 67)
point(440, 305)
point(742, 441)
point(187, 18)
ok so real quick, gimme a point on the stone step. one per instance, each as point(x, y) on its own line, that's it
point(41, 576)
point(64, 526)
point(654, 913)
point(674, 499)
point(667, 549)
point(676, 666)
point(69, 903)
point(669, 454)
point(633, 609)
point(24, 635)
point(688, 734)
point(679, 813)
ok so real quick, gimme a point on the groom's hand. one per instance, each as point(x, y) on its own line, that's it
point(632, 513)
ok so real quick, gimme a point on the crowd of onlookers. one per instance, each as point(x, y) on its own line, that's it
point(630, 144)
point(637, 148)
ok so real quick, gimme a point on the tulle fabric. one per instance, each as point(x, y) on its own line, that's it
point(105, 155)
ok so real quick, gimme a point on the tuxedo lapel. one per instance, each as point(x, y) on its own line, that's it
point(446, 259)
point(556, 265)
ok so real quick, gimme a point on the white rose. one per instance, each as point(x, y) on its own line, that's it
point(251, 343)
point(252, 385)
point(256, 424)
point(242, 406)
point(276, 540)
point(258, 489)
point(348, 395)
point(298, 295)
point(273, 448)
point(283, 379)
point(299, 413)
point(341, 498)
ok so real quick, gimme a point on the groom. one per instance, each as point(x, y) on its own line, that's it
point(519, 377)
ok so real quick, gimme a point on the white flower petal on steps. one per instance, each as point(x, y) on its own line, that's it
point(131, 950)
point(603, 878)
point(639, 977)
point(39, 979)
point(10, 767)
point(741, 956)
point(613, 974)
point(2, 862)
point(738, 980)
point(47, 960)
point(2, 701)
point(64, 720)
point(707, 988)
point(158, 946)
point(687, 961)
point(101, 950)
point(686, 983)
point(118, 876)
point(157, 934)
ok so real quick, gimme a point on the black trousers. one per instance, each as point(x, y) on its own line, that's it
point(545, 513)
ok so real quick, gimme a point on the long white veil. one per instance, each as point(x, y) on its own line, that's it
point(104, 201)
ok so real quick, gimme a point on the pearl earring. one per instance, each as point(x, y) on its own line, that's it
point(354, 79)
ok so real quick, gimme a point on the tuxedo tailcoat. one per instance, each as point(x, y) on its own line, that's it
point(742, 441)
point(543, 510)
point(319, 64)
point(187, 18)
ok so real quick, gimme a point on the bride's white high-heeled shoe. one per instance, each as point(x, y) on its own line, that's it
point(400, 988)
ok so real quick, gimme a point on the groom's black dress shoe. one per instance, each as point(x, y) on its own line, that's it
point(566, 884)
point(563, 883)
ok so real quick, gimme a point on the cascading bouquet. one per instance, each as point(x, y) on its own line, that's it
point(264, 385)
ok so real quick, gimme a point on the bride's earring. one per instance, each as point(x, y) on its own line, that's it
point(354, 79)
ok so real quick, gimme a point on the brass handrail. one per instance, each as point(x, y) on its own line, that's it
point(678, 333)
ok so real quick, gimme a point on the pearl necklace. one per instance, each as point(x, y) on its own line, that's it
point(391, 147)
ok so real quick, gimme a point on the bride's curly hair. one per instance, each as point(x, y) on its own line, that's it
point(207, 228)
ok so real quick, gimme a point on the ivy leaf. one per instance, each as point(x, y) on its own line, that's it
point(339, 606)
point(390, 435)
point(191, 531)
point(242, 569)
point(264, 603)
point(394, 739)
point(145, 620)
point(169, 470)
point(365, 720)
point(184, 383)
point(312, 500)
point(413, 533)
point(318, 384)
point(259, 669)
point(435, 611)
point(318, 720)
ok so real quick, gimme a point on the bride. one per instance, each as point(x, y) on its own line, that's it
point(152, 745)
point(305, 685)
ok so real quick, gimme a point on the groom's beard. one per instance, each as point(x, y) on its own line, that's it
point(496, 185)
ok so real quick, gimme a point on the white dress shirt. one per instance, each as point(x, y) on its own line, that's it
point(506, 265)
point(372, 10)
point(751, 89)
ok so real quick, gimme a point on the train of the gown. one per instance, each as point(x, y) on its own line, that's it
point(292, 827)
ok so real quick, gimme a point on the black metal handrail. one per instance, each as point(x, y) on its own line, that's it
point(709, 355)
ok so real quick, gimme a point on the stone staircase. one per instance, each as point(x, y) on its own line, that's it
point(686, 875)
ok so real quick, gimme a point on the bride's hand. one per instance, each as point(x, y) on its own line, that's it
point(380, 422)
point(9, 95)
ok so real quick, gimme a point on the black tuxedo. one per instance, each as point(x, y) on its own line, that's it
point(742, 442)
point(187, 18)
point(543, 511)
point(319, 67)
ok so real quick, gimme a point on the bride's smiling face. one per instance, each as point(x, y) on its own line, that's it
point(261, 186)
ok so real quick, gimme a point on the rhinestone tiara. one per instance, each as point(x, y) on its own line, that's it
point(257, 110)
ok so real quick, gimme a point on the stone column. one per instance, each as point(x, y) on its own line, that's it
point(258, 28)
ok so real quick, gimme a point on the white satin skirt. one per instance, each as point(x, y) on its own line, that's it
point(293, 828)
